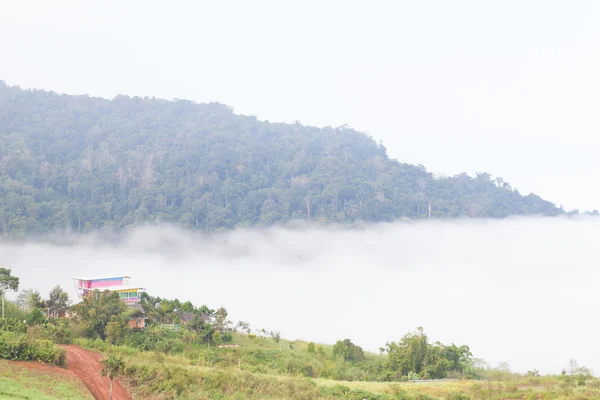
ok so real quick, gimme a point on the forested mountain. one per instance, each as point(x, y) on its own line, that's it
point(86, 163)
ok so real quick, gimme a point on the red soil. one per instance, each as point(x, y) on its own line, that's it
point(86, 366)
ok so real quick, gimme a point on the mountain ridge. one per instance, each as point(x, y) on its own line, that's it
point(86, 163)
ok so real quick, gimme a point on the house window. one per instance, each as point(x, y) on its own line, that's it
point(128, 295)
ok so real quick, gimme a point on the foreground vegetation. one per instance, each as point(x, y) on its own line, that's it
point(19, 382)
point(216, 375)
point(82, 163)
point(180, 355)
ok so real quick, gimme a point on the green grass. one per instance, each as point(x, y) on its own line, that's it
point(200, 374)
point(17, 382)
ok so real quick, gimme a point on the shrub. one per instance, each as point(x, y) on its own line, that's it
point(12, 324)
point(60, 331)
point(207, 356)
point(276, 336)
point(57, 332)
point(423, 396)
point(217, 337)
point(354, 374)
point(170, 382)
point(456, 396)
point(16, 346)
point(35, 317)
point(227, 337)
point(344, 392)
point(594, 383)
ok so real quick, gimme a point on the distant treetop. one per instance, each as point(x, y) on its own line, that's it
point(87, 163)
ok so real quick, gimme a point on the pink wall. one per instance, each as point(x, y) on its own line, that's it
point(94, 284)
point(101, 284)
point(128, 299)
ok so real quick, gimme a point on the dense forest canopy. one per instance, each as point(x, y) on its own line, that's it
point(84, 163)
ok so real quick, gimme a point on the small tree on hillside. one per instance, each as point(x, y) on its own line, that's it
point(114, 330)
point(7, 282)
point(58, 301)
point(348, 351)
point(113, 367)
point(276, 336)
point(221, 322)
point(244, 327)
point(29, 299)
point(35, 317)
point(197, 323)
point(217, 338)
point(97, 310)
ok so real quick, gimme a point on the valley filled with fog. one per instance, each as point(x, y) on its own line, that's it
point(521, 291)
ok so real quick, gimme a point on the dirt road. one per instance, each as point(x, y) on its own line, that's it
point(86, 366)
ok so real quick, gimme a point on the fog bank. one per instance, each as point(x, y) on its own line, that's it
point(523, 291)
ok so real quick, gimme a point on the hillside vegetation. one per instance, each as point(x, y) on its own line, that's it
point(18, 382)
point(85, 163)
point(180, 355)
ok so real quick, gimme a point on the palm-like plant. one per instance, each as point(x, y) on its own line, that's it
point(113, 367)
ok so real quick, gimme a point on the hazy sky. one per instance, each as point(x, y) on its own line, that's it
point(523, 291)
point(511, 87)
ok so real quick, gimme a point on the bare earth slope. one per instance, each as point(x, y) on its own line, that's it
point(86, 366)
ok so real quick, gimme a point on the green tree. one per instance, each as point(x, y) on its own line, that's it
point(7, 282)
point(206, 333)
point(60, 331)
point(97, 310)
point(348, 351)
point(221, 322)
point(114, 330)
point(61, 169)
point(197, 323)
point(30, 299)
point(35, 317)
point(113, 367)
point(217, 338)
point(276, 336)
point(413, 354)
point(58, 301)
point(187, 307)
point(320, 351)
point(311, 347)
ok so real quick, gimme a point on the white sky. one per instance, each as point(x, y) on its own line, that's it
point(511, 87)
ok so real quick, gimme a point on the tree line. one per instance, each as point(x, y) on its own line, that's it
point(84, 163)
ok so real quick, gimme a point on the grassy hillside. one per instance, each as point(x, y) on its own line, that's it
point(170, 359)
point(190, 377)
point(17, 381)
point(87, 163)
